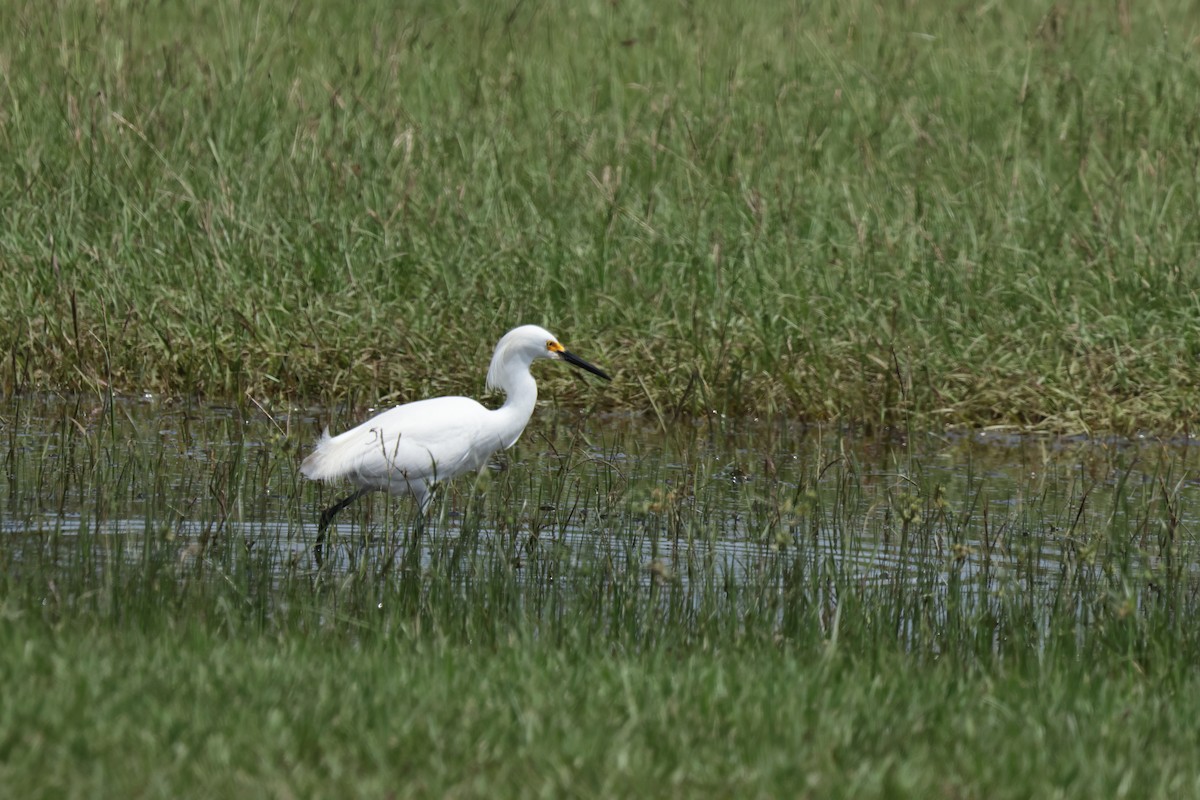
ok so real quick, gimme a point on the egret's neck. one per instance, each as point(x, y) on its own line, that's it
point(520, 397)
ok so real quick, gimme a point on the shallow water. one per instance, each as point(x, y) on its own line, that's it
point(167, 480)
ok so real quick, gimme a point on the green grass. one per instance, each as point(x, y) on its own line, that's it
point(969, 214)
point(196, 715)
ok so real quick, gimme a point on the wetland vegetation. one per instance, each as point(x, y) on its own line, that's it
point(893, 494)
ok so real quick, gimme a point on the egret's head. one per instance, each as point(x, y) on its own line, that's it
point(519, 347)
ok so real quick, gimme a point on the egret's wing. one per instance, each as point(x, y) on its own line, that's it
point(424, 442)
point(428, 440)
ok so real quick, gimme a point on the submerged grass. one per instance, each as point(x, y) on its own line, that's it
point(970, 213)
point(765, 610)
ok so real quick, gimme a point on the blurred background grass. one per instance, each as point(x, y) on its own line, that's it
point(973, 213)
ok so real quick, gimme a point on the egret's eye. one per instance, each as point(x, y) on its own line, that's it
point(554, 347)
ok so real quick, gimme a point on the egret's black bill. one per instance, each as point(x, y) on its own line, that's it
point(571, 358)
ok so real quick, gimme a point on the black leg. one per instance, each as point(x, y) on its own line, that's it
point(327, 517)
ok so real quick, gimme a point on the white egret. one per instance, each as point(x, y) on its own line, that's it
point(412, 447)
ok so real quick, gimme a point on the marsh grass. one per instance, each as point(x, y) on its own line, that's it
point(604, 613)
point(770, 532)
point(830, 210)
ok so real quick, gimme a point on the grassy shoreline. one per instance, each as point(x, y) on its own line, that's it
point(827, 211)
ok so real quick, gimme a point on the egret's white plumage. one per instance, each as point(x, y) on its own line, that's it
point(410, 448)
